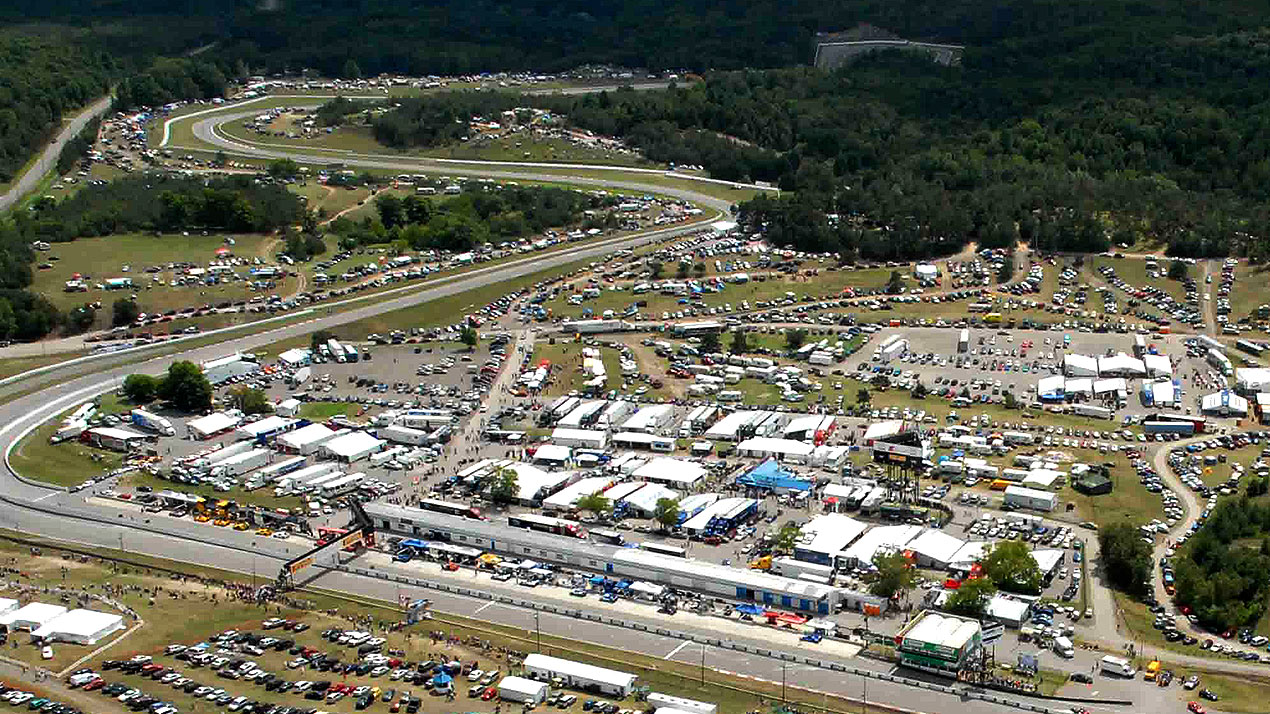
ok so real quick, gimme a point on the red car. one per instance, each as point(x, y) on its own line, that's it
point(1195, 707)
point(95, 685)
point(489, 693)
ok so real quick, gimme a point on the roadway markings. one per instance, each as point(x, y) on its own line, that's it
point(675, 651)
point(482, 607)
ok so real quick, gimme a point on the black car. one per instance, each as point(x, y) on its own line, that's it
point(1208, 694)
point(1082, 678)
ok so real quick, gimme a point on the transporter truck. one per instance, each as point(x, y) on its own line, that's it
point(152, 422)
point(1091, 410)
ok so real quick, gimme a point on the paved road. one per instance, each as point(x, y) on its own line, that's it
point(48, 158)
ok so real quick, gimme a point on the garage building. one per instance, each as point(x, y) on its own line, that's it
point(579, 675)
point(826, 536)
point(113, 438)
point(267, 428)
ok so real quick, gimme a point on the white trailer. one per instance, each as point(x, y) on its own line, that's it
point(273, 472)
point(345, 484)
point(1092, 410)
point(152, 422)
point(241, 463)
point(1117, 666)
point(963, 341)
point(68, 431)
point(404, 435)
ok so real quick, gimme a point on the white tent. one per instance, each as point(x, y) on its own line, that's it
point(32, 616)
point(672, 472)
point(1110, 385)
point(307, 439)
point(211, 425)
point(1080, 366)
point(353, 446)
point(1225, 403)
point(80, 627)
point(1121, 365)
point(1050, 387)
point(1158, 365)
point(1079, 386)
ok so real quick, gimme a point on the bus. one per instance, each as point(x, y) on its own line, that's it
point(607, 537)
point(351, 354)
point(547, 524)
point(674, 550)
point(453, 509)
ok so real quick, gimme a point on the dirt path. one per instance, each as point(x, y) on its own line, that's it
point(648, 364)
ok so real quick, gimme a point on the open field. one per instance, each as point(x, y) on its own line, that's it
point(17, 365)
point(1134, 272)
point(321, 411)
point(105, 257)
point(62, 464)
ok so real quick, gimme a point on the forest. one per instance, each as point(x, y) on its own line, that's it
point(1223, 572)
point(41, 81)
point(164, 203)
point(470, 219)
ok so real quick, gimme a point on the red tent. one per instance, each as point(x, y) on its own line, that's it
point(222, 251)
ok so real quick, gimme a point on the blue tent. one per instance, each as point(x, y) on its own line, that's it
point(597, 580)
point(749, 608)
point(441, 680)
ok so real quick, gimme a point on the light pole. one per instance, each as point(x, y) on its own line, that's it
point(703, 663)
point(783, 666)
point(537, 632)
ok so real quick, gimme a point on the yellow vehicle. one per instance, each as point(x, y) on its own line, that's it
point(763, 563)
point(222, 522)
point(202, 518)
point(240, 526)
point(1152, 670)
point(375, 692)
point(263, 532)
point(992, 318)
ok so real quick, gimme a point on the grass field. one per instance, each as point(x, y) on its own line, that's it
point(321, 411)
point(17, 365)
point(260, 497)
point(1134, 272)
point(566, 366)
point(64, 464)
point(105, 257)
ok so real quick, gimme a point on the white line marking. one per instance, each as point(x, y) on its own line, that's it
point(675, 651)
point(482, 607)
point(47, 495)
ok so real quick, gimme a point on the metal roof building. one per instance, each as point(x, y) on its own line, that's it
point(353, 446)
point(826, 536)
point(729, 427)
point(879, 541)
point(935, 549)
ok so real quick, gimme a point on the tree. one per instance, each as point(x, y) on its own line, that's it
point(140, 388)
point(667, 513)
point(186, 388)
point(1125, 558)
point(505, 486)
point(894, 575)
point(681, 271)
point(795, 339)
point(699, 269)
point(710, 343)
point(740, 343)
point(863, 396)
point(919, 390)
point(1005, 273)
point(656, 268)
point(220, 159)
point(895, 283)
point(786, 537)
point(351, 70)
point(319, 338)
point(1178, 270)
point(281, 169)
point(971, 598)
point(1010, 401)
point(469, 336)
point(249, 400)
point(80, 318)
point(124, 312)
point(595, 503)
point(392, 210)
point(1010, 566)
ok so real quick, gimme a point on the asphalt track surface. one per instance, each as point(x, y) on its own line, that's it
point(37, 509)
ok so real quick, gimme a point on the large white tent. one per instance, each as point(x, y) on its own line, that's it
point(80, 627)
point(672, 472)
point(353, 446)
point(1080, 366)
